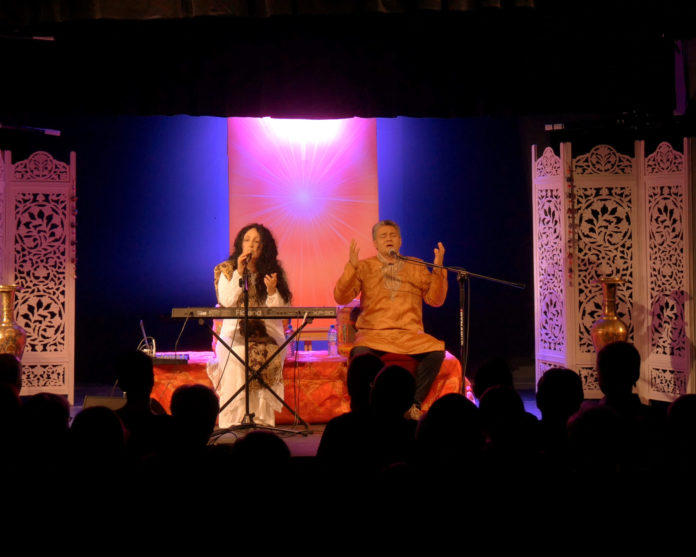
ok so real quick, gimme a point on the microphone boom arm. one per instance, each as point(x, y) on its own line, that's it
point(458, 270)
point(464, 298)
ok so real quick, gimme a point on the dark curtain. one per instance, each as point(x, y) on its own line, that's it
point(32, 12)
point(318, 59)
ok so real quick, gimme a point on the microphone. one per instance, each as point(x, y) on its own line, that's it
point(392, 253)
point(245, 264)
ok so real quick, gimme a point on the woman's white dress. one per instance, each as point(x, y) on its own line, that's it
point(227, 374)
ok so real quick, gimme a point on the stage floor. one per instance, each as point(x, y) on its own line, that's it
point(299, 444)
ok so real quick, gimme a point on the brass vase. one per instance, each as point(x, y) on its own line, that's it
point(12, 337)
point(609, 327)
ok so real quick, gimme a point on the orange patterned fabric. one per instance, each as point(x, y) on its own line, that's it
point(448, 380)
point(170, 376)
point(315, 384)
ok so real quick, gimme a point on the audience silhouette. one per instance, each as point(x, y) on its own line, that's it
point(148, 432)
point(559, 395)
point(493, 372)
point(10, 371)
point(373, 458)
point(343, 440)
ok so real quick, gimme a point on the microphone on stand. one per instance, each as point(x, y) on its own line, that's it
point(245, 262)
point(396, 255)
point(245, 273)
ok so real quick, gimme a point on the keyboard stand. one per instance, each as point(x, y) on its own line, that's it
point(248, 421)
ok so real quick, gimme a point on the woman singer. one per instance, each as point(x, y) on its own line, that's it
point(254, 250)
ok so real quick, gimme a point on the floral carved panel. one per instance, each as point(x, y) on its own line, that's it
point(43, 375)
point(668, 381)
point(604, 248)
point(548, 164)
point(667, 289)
point(550, 280)
point(665, 160)
point(41, 167)
point(544, 366)
point(588, 375)
point(40, 253)
point(603, 159)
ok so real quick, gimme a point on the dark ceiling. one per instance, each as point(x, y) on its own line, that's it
point(519, 57)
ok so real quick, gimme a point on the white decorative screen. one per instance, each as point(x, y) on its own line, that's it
point(625, 216)
point(669, 279)
point(604, 240)
point(38, 256)
point(549, 264)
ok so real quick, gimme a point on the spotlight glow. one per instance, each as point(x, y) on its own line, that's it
point(304, 131)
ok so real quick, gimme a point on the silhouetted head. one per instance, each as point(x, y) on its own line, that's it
point(10, 414)
point(596, 439)
point(194, 410)
point(261, 448)
point(47, 415)
point(362, 371)
point(97, 434)
point(681, 420)
point(491, 373)
point(262, 458)
point(135, 374)
point(500, 402)
point(618, 368)
point(10, 371)
point(393, 392)
point(559, 394)
point(451, 428)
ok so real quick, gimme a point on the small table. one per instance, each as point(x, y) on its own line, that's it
point(315, 383)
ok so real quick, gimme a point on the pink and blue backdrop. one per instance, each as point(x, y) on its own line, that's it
point(313, 183)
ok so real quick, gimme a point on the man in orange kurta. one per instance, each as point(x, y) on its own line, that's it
point(392, 293)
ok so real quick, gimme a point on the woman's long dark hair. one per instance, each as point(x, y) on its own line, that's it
point(266, 264)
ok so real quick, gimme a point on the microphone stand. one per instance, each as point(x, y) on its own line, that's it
point(249, 376)
point(464, 298)
point(248, 421)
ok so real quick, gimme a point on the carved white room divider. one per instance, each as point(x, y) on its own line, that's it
point(37, 243)
point(604, 213)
